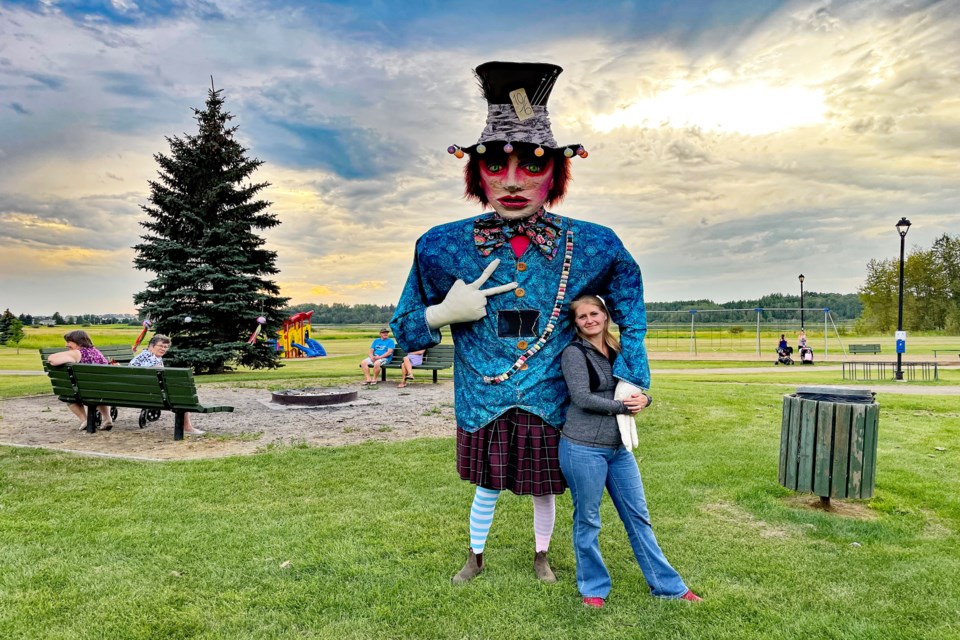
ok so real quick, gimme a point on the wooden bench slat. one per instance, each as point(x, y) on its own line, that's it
point(114, 396)
point(130, 381)
point(100, 370)
point(115, 401)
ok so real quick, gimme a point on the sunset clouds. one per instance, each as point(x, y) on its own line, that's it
point(731, 149)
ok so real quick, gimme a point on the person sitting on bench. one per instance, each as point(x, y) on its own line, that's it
point(80, 350)
point(411, 360)
point(152, 356)
point(381, 353)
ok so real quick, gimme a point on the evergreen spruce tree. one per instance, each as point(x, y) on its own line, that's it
point(210, 268)
point(6, 320)
point(14, 334)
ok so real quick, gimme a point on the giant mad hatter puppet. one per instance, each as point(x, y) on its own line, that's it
point(502, 281)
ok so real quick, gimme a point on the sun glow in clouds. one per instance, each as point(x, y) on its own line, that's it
point(749, 109)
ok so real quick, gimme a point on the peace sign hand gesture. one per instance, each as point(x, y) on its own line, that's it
point(466, 302)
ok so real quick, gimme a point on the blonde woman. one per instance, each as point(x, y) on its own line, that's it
point(593, 457)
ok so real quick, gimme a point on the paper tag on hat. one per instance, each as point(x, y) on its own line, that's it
point(521, 104)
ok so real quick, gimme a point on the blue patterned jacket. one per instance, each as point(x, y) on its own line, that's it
point(490, 346)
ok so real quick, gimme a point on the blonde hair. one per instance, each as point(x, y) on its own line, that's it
point(608, 338)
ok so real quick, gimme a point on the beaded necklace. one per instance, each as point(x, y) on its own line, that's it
point(551, 324)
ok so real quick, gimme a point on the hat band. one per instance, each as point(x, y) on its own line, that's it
point(502, 124)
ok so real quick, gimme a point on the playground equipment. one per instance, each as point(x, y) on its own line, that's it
point(313, 350)
point(294, 338)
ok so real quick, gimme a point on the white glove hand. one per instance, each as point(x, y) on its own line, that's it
point(626, 422)
point(466, 302)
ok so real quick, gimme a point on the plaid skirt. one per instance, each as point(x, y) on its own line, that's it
point(517, 451)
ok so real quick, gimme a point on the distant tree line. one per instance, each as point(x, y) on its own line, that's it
point(843, 306)
point(931, 290)
point(339, 313)
point(83, 319)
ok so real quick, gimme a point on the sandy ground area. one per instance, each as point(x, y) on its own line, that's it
point(380, 413)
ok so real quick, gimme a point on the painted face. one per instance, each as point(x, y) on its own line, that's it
point(590, 319)
point(159, 349)
point(516, 187)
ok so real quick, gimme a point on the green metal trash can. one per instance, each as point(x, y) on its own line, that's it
point(828, 441)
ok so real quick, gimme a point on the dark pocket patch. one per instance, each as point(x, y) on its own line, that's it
point(517, 323)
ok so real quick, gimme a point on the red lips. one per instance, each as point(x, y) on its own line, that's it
point(513, 202)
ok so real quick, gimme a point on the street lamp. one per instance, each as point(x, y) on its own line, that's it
point(801, 302)
point(902, 227)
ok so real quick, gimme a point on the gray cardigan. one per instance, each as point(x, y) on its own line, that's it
point(591, 418)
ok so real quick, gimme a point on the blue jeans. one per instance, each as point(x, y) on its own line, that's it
point(588, 470)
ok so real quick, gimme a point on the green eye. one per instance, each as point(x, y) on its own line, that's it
point(533, 167)
point(494, 167)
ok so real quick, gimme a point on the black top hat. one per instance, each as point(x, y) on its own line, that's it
point(516, 95)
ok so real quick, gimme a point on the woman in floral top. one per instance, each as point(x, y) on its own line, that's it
point(80, 350)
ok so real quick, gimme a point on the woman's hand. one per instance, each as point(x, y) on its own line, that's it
point(635, 403)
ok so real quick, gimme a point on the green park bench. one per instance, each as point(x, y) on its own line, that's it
point(149, 389)
point(435, 358)
point(935, 351)
point(863, 348)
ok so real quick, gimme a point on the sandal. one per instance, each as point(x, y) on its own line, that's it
point(401, 385)
point(106, 427)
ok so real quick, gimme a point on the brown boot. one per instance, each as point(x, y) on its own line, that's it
point(542, 568)
point(470, 570)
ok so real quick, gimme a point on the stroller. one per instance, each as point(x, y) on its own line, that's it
point(783, 356)
point(806, 355)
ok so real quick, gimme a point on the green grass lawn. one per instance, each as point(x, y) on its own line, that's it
point(360, 542)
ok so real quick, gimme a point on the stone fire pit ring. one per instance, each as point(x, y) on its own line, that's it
point(314, 396)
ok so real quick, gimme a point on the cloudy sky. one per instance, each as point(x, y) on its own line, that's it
point(733, 144)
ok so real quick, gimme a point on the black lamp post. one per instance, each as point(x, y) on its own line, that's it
point(801, 302)
point(902, 227)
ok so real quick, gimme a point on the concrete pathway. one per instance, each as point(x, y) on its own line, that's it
point(771, 369)
point(901, 388)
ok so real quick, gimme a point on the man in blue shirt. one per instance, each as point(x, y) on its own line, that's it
point(381, 353)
